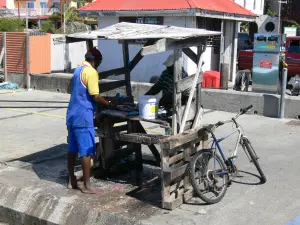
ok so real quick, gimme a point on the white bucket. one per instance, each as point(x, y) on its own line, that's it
point(148, 107)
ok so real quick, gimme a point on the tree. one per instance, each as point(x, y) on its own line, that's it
point(12, 25)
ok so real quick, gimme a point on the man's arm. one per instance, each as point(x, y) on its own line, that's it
point(154, 90)
point(100, 99)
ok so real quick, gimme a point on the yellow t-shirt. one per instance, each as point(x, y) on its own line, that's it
point(89, 78)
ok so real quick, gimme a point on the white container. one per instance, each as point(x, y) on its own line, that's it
point(148, 107)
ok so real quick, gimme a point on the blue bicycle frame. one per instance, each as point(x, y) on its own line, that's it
point(216, 142)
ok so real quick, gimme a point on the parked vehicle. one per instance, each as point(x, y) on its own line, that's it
point(244, 42)
point(245, 63)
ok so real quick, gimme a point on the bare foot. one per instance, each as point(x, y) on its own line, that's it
point(93, 191)
point(74, 183)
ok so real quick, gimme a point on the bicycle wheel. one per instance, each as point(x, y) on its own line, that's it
point(204, 180)
point(254, 158)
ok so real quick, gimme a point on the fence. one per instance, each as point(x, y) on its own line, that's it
point(40, 54)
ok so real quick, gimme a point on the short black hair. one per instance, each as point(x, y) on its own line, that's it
point(89, 57)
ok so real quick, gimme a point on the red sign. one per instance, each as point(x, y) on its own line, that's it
point(266, 64)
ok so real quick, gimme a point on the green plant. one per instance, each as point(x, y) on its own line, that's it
point(271, 13)
point(12, 25)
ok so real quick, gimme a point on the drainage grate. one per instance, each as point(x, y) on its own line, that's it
point(294, 123)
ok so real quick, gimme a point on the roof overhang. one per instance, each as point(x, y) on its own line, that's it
point(176, 13)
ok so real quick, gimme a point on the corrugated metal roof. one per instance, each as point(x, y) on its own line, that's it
point(133, 31)
point(227, 6)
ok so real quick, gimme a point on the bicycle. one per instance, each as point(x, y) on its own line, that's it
point(198, 166)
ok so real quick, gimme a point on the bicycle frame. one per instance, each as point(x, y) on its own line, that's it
point(217, 143)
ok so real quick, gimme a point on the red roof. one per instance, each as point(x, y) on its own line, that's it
point(227, 6)
point(2, 3)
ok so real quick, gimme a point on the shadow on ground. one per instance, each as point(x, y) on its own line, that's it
point(51, 165)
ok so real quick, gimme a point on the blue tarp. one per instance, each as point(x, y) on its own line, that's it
point(8, 86)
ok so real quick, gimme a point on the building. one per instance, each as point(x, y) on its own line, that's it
point(220, 15)
point(255, 6)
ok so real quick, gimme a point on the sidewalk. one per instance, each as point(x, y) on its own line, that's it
point(33, 174)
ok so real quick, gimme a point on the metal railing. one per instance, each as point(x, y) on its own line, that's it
point(34, 12)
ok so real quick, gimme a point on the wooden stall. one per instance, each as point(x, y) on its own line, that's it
point(183, 133)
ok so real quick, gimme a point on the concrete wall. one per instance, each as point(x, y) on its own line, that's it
point(151, 65)
point(67, 56)
point(230, 101)
point(261, 22)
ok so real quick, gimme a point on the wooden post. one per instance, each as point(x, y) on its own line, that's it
point(126, 66)
point(89, 44)
point(192, 91)
point(224, 73)
point(198, 89)
point(176, 119)
point(4, 56)
point(27, 62)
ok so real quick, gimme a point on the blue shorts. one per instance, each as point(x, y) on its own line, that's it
point(82, 141)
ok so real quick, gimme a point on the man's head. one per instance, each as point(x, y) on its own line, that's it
point(94, 57)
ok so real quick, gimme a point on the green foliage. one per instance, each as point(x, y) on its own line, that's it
point(271, 13)
point(72, 14)
point(245, 27)
point(12, 25)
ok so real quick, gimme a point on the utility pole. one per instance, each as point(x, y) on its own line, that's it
point(279, 14)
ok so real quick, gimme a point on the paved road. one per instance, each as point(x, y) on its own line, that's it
point(26, 132)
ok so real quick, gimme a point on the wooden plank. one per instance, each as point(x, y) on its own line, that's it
point(108, 86)
point(111, 131)
point(183, 138)
point(191, 54)
point(126, 66)
point(139, 55)
point(192, 112)
point(115, 72)
point(176, 158)
point(188, 195)
point(173, 204)
point(107, 148)
point(175, 186)
point(187, 158)
point(178, 64)
point(193, 87)
point(173, 173)
point(165, 188)
point(152, 148)
point(199, 114)
point(185, 83)
point(163, 45)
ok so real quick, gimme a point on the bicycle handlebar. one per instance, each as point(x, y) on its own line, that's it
point(220, 123)
point(244, 110)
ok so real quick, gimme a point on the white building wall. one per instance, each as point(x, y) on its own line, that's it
point(149, 66)
point(67, 56)
point(255, 6)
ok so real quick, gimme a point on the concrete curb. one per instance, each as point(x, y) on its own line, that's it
point(222, 100)
point(27, 206)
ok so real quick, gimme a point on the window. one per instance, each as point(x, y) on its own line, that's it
point(143, 20)
point(294, 46)
point(30, 5)
point(43, 5)
point(254, 4)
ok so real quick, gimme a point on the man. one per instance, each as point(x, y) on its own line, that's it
point(80, 119)
point(165, 84)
